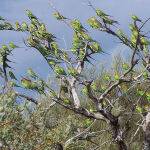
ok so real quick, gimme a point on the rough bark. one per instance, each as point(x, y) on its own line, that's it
point(118, 136)
point(146, 129)
point(58, 146)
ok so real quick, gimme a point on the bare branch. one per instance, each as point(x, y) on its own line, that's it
point(27, 97)
point(79, 135)
point(81, 111)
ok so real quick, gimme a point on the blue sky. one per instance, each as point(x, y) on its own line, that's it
point(14, 10)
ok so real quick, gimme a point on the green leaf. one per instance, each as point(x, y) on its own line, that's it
point(76, 25)
point(87, 122)
point(12, 76)
point(72, 71)
point(107, 77)
point(32, 28)
point(66, 101)
point(51, 62)
point(139, 109)
point(148, 96)
point(42, 27)
point(18, 26)
point(5, 48)
point(84, 90)
point(58, 16)
point(85, 36)
point(94, 86)
point(32, 42)
point(26, 83)
point(54, 45)
point(30, 15)
point(1, 18)
point(135, 33)
point(77, 42)
point(35, 22)
point(65, 56)
point(59, 70)
point(120, 33)
point(94, 23)
point(133, 40)
point(116, 76)
point(95, 47)
point(31, 73)
point(81, 54)
point(140, 92)
point(135, 18)
point(125, 66)
point(7, 26)
point(12, 45)
point(100, 13)
point(132, 27)
point(13, 84)
point(39, 86)
point(145, 74)
point(108, 21)
point(144, 41)
point(24, 26)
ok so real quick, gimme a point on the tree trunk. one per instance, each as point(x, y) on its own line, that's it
point(118, 136)
point(121, 145)
point(146, 128)
point(59, 146)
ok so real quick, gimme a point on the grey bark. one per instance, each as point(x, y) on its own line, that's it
point(146, 129)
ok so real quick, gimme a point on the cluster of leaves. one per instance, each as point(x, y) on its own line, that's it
point(24, 127)
point(116, 99)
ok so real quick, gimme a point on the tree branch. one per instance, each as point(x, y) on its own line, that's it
point(27, 97)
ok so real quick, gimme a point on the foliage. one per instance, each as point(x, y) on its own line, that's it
point(102, 110)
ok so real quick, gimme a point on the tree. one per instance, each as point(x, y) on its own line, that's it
point(118, 100)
